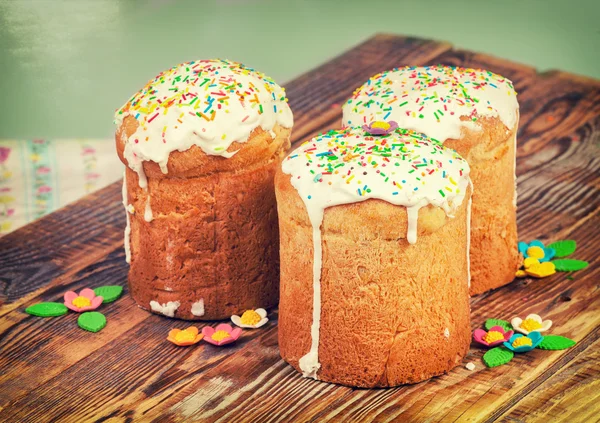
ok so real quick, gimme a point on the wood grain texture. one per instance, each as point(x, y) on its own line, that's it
point(569, 395)
point(51, 370)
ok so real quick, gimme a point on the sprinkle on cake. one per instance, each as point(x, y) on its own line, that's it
point(418, 98)
point(209, 103)
point(403, 164)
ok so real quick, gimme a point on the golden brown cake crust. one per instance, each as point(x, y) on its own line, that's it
point(392, 313)
point(490, 152)
point(212, 245)
point(260, 146)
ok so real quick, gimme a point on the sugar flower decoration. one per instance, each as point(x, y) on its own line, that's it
point(251, 319)
point(85, 301)
point(185, 337)
point(532, 323)
point(532, 267)
point(380, 127)
point(521, 343)
point(223, 334)
point(535, 249)
point(494, 337)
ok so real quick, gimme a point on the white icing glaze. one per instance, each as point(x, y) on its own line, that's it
point(349, 166)
point(432, 99)
point(198, 308)
point(148, 211)
point(469, 238)
point(446, 333)
point(208, 103)
point(167, 309)
point(309, 363)
point(515, 166)
point(127, 234)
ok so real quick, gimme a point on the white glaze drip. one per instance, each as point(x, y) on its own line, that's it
point(413, 217)
point(167, 309)
point(469, 237)
point(309, 364)
point(198, 308)
point(515, 166)
point(323, 170)
point(127, 233)
point(148, 210)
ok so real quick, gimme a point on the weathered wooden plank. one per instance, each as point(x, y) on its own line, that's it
point(138, 360)
point(60, 243)
point(54, 344)
point(569, 395)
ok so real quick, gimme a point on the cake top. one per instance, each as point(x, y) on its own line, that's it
point(432, 99)
point(400, 166)
point(208, 103)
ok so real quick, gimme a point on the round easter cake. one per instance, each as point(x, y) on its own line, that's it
point(476, 113)
point(202, 142)
point(374, 229)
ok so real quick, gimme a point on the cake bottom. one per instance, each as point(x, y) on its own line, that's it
point(391, 313)
point(211, 249)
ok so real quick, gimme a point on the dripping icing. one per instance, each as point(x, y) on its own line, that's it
point(309, 363)
point(127, 234)
point(148, 210)
point(469, 235)
point(404, 168)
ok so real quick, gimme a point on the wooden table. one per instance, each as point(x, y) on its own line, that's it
point(52, 370)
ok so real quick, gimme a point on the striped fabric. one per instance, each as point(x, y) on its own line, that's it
point(40, 176)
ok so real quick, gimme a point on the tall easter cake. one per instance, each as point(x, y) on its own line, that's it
point(202, 142)
point(374, 257)
point(476, 113)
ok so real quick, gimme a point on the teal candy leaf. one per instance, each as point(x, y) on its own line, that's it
point(497, 356)
point(92, 321)
point(569, 265)
point(109, 293)
point(47, 309)
point(490, 323)
point(564, 248)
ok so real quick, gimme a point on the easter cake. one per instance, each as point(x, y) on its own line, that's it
point(476, 113)
point(374, 232)
point(201, 142)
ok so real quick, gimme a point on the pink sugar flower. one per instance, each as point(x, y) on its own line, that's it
point(495, 336)
point(86, 300)
point(223, 334)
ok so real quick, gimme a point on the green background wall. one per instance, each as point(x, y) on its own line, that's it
point(67, 64)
